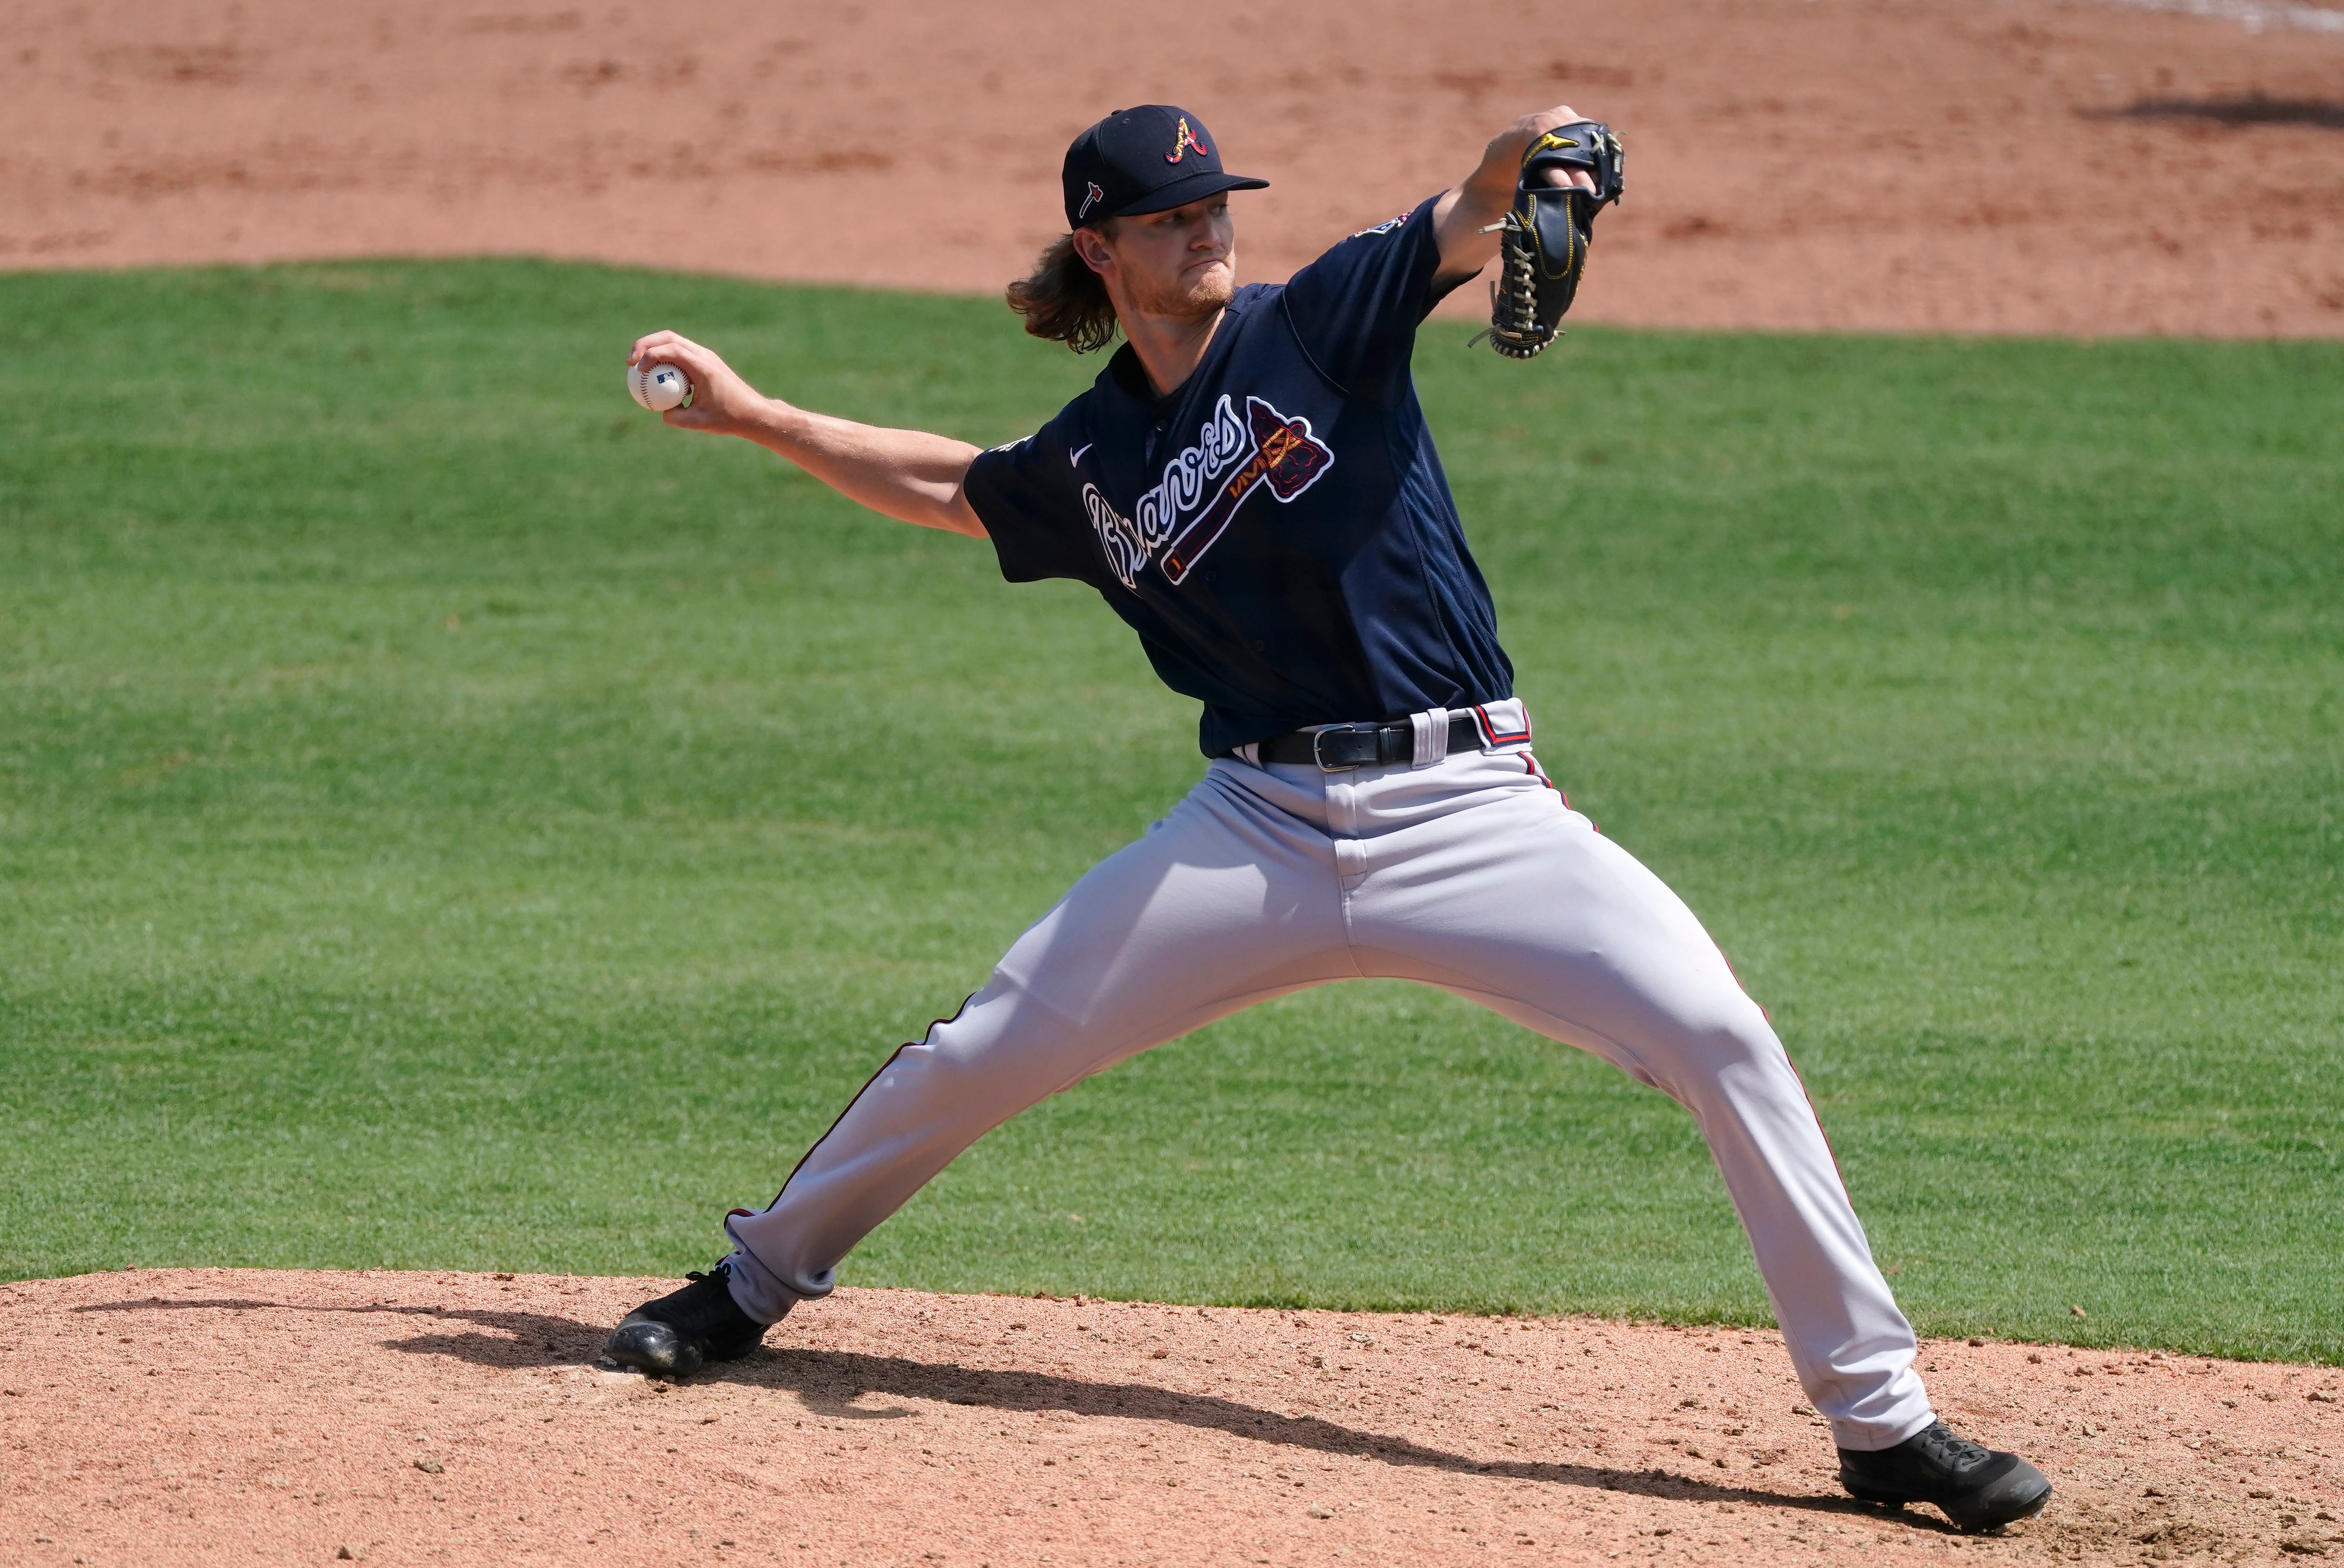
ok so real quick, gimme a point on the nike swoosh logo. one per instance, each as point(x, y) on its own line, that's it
point(1074, 458)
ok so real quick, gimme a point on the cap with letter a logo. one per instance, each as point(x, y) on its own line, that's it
point(1148, 159)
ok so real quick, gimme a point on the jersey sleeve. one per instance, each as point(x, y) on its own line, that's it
point(1028, 495)
point(1355, 310)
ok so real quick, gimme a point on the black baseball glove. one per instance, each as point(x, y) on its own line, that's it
point(1546, 233)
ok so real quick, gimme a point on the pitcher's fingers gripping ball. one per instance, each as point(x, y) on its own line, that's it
point(658, 387)
point(1546, 233)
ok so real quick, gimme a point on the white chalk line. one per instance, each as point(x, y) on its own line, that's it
point(2254, 16)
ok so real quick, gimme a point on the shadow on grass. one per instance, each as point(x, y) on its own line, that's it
point(830, 1383)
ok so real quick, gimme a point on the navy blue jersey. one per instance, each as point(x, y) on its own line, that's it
point(1278, 530)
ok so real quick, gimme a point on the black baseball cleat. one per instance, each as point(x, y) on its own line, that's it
point(1978, 1488)
point(684, 1330)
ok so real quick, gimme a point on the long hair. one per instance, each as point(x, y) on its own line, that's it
point(1063, 299)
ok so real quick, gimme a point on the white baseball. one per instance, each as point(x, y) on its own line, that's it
point(658, 387)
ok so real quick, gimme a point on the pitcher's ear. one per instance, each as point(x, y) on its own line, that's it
point(1091, 246)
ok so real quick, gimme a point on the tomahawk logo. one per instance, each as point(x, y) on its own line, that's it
point(1192, 505)
point(1090, 201)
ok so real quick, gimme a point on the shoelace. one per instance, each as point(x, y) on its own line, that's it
point(1944, 1446)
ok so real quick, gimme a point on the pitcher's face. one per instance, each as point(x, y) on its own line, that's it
point(1178, 263)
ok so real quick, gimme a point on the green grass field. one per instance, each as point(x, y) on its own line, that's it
point(426, 838)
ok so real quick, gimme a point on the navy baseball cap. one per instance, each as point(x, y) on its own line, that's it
point(1148, 159)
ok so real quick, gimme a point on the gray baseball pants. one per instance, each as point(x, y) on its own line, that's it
point(1469, 872)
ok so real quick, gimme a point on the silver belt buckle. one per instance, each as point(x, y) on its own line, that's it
point(1320, 758)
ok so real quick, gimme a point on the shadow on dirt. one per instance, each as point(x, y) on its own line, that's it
point(830, 1383)
point(528, 1339)
point(2248, 109)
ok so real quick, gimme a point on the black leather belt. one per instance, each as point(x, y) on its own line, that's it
point(1348, 746)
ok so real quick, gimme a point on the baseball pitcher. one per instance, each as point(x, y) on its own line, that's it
point(1251, 484)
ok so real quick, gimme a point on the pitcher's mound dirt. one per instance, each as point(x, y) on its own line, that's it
point(214, 1415)
point(1971, 166)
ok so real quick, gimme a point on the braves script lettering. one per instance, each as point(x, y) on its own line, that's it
point(1204, 486)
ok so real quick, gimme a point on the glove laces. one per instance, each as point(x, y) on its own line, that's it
point(1514, 329)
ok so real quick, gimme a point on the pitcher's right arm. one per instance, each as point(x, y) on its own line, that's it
point(909, 475)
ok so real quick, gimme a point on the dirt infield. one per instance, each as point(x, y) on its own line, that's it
point(2002, 166)
point(208, 1415)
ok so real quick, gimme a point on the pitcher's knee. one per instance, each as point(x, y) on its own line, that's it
point(1004, 1047)
point(1728, 1036)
